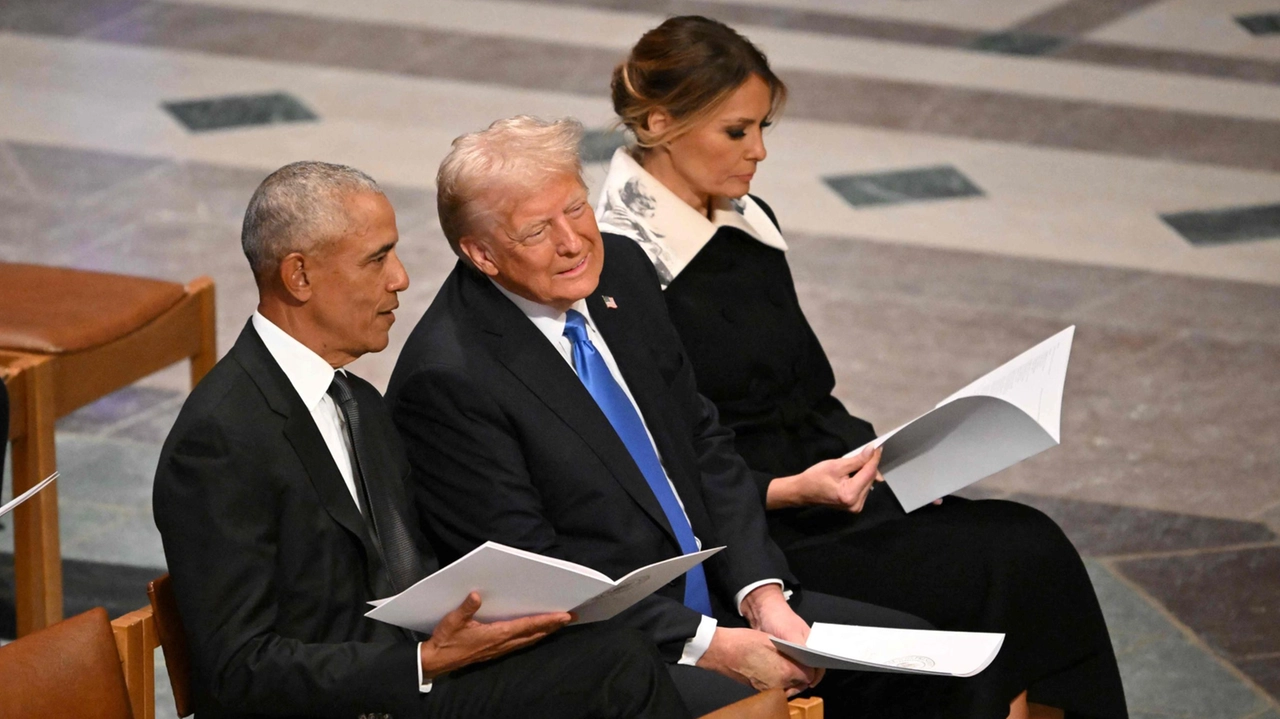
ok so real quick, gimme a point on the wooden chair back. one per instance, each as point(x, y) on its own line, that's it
point(173, 641)
point(69, 669)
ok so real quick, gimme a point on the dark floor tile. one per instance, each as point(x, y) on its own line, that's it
point(60, 174)
point(221, 113)
point(1261, 24)
point(85, 585)
point(1109, 529)
point(61, 17)
point(599, 145)
point(1264, 672)
point(115, 408)
point(901, 186)
point(1219, 227)
point(1017, 43)
point(1231, 599)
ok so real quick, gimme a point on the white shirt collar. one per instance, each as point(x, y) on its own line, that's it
point(635, 204)
point(549, 321)
point(309, 374)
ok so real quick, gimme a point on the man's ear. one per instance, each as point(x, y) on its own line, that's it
point(476, 251)
point(293, 275)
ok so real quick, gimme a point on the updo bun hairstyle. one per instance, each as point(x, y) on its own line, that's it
point(686, 66)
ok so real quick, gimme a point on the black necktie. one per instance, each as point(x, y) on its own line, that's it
point(386, 523)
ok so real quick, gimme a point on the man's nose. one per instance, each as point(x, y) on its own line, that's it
point(399, 275)
point(570, 242)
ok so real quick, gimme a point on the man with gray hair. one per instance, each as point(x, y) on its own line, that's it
point(281, 500)
point(546, 403)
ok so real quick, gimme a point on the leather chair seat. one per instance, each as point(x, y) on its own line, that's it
point(53, 310)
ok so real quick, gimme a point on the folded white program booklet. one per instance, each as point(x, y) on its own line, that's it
point(905, 651)
point(1011, 413)
point(513, 583)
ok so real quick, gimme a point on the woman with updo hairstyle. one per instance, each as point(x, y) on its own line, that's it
point(697, 97)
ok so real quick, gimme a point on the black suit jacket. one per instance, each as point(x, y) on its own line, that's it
point(507, 444)
point(272, 565)
point(756, 357)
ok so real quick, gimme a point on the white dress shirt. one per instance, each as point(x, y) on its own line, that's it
point(311, 376)
point(550, 323)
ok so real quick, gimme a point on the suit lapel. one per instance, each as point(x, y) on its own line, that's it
point(523, 350)
point(301, 433)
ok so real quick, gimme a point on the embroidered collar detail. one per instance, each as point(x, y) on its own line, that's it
point(634, 204)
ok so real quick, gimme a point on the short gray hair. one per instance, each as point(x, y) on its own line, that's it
point(515, 154)
point(296, 209)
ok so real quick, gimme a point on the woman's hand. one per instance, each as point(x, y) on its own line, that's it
point(842, 483)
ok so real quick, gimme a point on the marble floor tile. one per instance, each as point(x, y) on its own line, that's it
point(1230, 598)
point(1236, 224)
point(222, 113)
point(1260, 24)
point(1193, 25)
point(1165, 673)
point(1017, 43)
point(1265, 673)
point(599, 145)
point(899, 186)
point(875, 272)
point(62, 175)
point(1077, 17)
point(1232, 311)
point(63, 17)
point(120, 407)
point(1107, 529)
point(1174, 61)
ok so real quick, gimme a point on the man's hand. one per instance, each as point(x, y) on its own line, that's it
point(842, 483)
point(766, 609)
point(747, 656)
point(459, 639)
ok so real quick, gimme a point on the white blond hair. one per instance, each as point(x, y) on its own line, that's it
point(485, 171)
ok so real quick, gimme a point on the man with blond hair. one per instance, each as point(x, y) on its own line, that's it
point(281, 499)
point(546, 403)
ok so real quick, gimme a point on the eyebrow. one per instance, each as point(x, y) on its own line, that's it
point(382, 250)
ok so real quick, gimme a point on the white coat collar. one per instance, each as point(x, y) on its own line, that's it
point(634, 204)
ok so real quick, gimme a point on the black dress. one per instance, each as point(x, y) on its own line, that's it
point(963, 565)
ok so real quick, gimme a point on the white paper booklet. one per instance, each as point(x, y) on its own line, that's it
point(27, 494)
point(906, 651)
point(514, 583)
point(1009, 414)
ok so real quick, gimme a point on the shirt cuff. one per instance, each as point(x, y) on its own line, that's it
point(742, 593)
point(699, 642)
point(423, 687)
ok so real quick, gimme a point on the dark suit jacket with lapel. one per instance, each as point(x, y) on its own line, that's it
point(271, 562)
point(507, 445)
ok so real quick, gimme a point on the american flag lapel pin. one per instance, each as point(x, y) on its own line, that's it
point(609, 302)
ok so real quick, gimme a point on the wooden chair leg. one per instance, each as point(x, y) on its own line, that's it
point(203, 361)
point(37, 556)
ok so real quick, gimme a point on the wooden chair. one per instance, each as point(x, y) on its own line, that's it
point(69, 669)
point(68, 338)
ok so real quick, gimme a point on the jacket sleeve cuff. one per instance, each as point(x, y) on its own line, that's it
point(698, 643)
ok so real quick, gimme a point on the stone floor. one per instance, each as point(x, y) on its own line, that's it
point(1119, 167)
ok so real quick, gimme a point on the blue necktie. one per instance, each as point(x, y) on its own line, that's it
point(626, 421)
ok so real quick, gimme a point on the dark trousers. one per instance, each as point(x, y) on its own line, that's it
point(579, 672)
point(870, 695)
